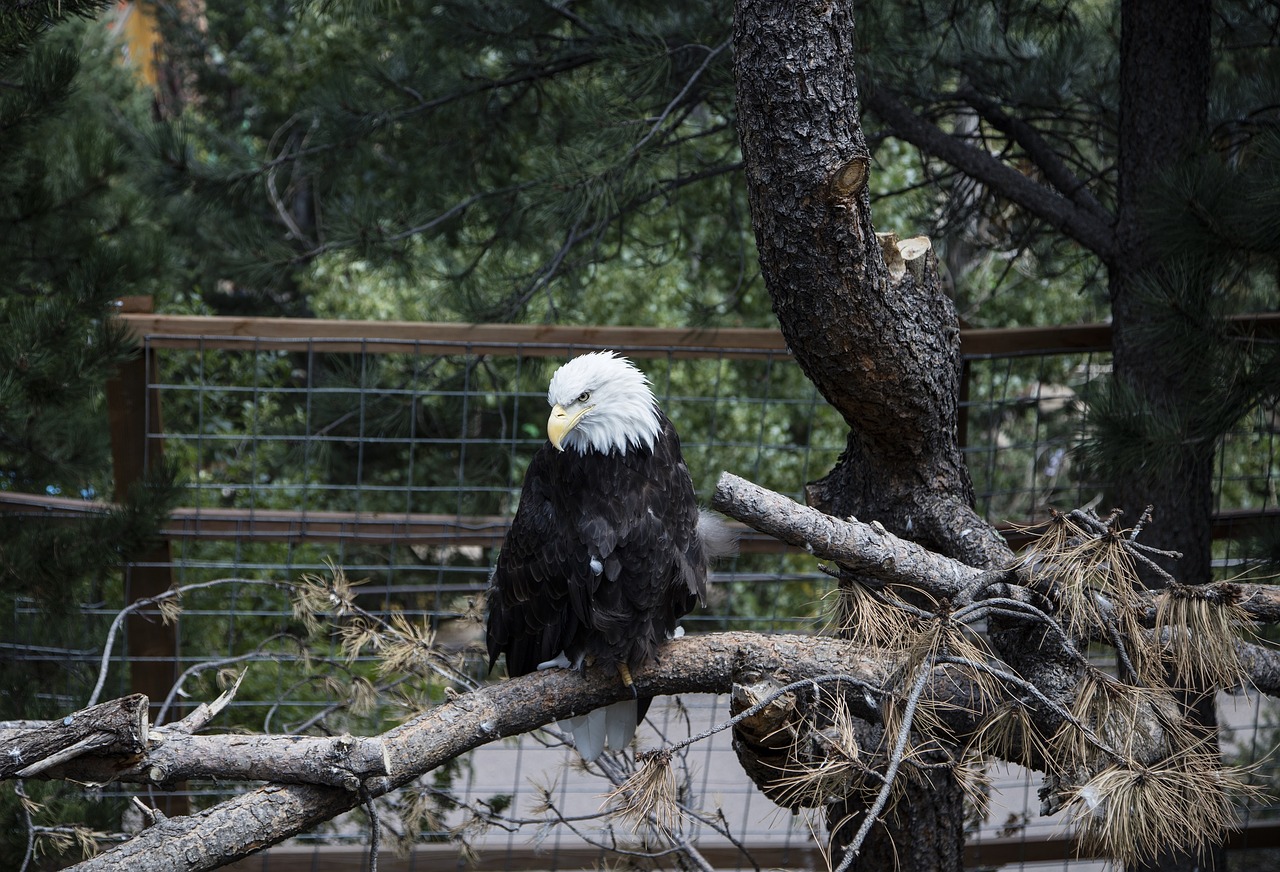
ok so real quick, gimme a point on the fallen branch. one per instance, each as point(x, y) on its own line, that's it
point(870, 551)
point(867, 549)
point(710, 664)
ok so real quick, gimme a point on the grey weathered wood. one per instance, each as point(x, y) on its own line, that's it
point(117, 727)
point(713, 663)
point(867, 548)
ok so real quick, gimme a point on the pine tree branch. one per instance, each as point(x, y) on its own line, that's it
point(872, 552)
point(425, 104)
point(867, 549)
point(679, 97)
point(338, 761)
point(510, 307)
point(1081, 224)
point(1041, 153)
point(712, 663)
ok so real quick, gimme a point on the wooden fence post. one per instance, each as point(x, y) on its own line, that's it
point(133, 414)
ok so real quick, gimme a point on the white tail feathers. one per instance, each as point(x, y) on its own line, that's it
point(718, 538)
point(612, 727)
point(620, 722)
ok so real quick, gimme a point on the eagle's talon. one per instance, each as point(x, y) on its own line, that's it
point(625, 672)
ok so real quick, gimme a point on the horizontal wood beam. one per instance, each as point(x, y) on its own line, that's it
point(544, 340)
point(215, 524)
point(420, 337)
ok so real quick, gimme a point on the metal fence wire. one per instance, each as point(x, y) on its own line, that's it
point(397, 461)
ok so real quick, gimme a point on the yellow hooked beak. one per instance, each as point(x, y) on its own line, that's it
point(561, 422)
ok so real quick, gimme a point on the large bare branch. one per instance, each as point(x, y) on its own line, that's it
point(713, 663)
point(866, 548)
point(874, 553)
point(260, 818)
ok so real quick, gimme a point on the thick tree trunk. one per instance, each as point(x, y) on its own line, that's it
point(1165, 70)
point(866, 318)
point(868, 323)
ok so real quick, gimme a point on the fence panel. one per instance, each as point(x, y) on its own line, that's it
point(396, 452)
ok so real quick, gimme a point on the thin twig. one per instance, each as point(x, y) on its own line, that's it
point(666, 112)
point(1134, 550)
point(206, 665)
point(1142, 522)
point(375, 837)
point(1117, 642)
point(769, 699)
point(872, 814)
point(1008, 607)
point(1089, 520)
point(332, 707)
point(282, 212)
point(169, 594)
point(28, 823)
point(1031, 690)
point(434, 661)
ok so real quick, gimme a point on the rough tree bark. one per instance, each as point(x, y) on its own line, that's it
point(259, 818)
point(116, 727)
point(1165, 68)
point(870, 327)
point(866, 319)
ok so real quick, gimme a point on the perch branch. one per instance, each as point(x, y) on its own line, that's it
point(236, 828)
point(712, 663)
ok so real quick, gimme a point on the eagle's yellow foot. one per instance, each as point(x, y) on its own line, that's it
point(625, 672)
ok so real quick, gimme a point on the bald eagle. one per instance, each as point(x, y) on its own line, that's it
point(608, 549)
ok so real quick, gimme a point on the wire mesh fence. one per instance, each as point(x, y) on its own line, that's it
point(397, 458)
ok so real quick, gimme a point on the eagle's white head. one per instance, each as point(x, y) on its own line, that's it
point(601, 401)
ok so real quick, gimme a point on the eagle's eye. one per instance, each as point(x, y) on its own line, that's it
point(584, 396)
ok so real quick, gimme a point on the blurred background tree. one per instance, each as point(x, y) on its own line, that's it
point(75, 235)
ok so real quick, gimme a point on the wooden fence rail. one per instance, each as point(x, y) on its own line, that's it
point(538, 340)
point(154, 331)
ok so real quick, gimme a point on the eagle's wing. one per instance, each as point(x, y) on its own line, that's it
point(531, 604)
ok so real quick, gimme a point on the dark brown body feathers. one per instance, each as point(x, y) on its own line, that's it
point(636, 517)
